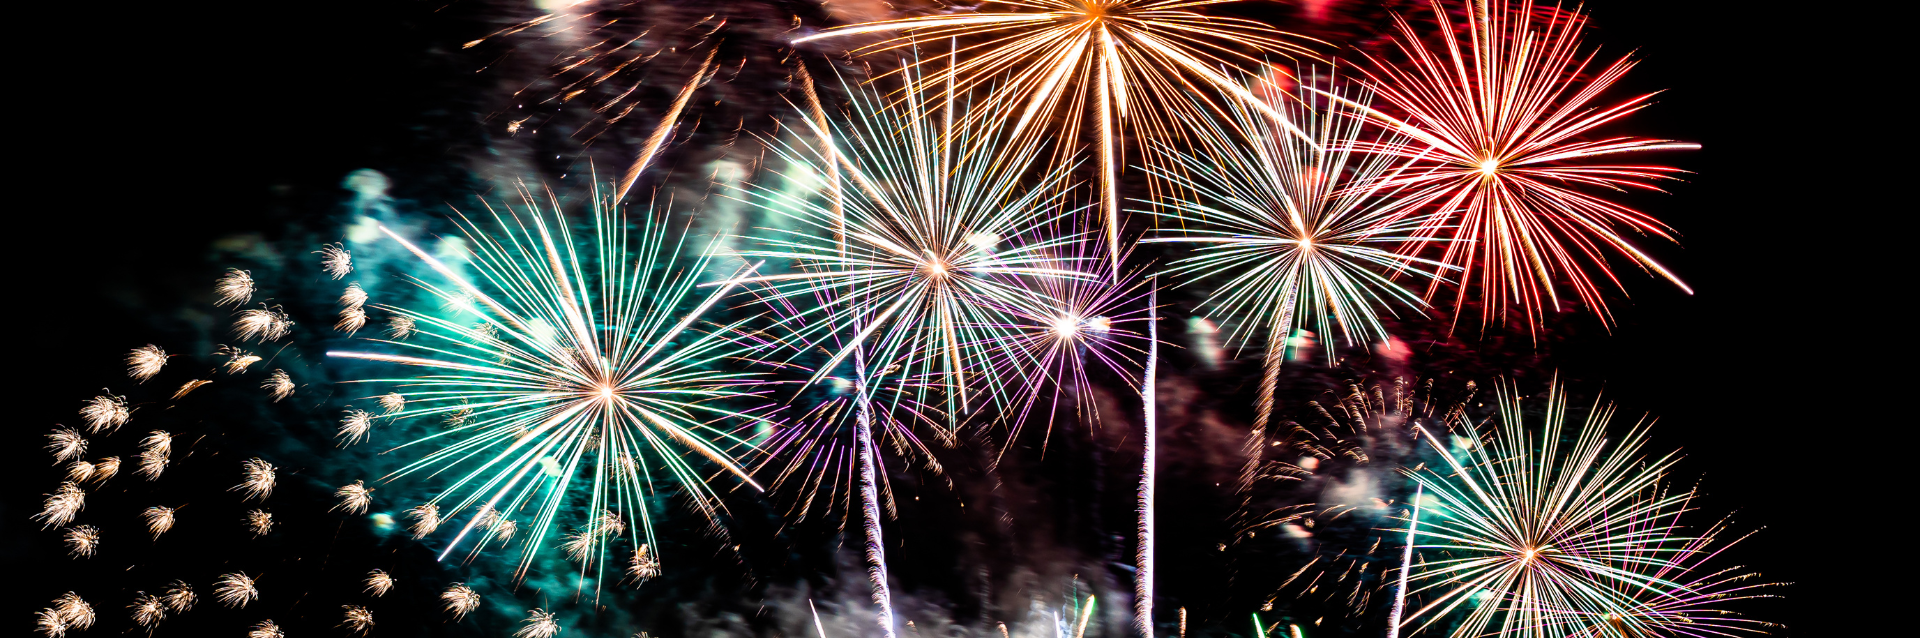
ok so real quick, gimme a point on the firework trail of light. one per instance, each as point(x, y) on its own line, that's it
point(1697, 608)
point(147, 610)
point(145, 362)
point(905, 261)
point(358, 620)
point(1549, 538)
point(159, 520)
point(180, 597)
point(1143, 557)
point(1497, 149)
point(1299, 226)
point(1406, 565)
point(336, 260)
point(266, 629)
point(1132, 59)
point(378, 583)
point(665, 128)
point(586, 369)
point(235, 590)
point(66, 444)
point(82, 541)
point(460, 599)
point(540, 624)
point(233, 289)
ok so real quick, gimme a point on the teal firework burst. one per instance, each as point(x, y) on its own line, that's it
point(591, 376)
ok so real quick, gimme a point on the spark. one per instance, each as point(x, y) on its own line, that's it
point(48, 622)
point(1539, 538)
point(400, 327)
point(73, 611)
point(1499, 149)
point(352, 319)
point(263, 323)
point(82, 541)
point(1132, 63)
point(643, 566)
point(108, 412)
point(460, 599)
point(154, 450)
point(540, 624)
point(235, 590)
point(259, 521)
point(145, 362)
point(354, 498)
point(66, 444)
point(257, 481)
point(79, 471)
point(237, 359)
point(336, 260)
point(159, 520)
point(104, 469)
point(278, 385)
point(180, 597)
point(148, 610)
point(358, 619)
point(62, 505)
point(234, 288)
point(354, 296)
point(665, 127)
point(426, 518)
point(379, 583)
point(266, 629)
point(354, 427)
point(189, 387)
point(574, 381)
point(391, 403)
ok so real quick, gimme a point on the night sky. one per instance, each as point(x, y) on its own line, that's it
point(156, 134)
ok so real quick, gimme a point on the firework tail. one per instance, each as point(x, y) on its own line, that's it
point(869, 496)
point(1263, 406)
point(1143, 556)
point(1406, 562)
point(664, 128)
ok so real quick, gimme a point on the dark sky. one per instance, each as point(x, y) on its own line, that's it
point(153, 129)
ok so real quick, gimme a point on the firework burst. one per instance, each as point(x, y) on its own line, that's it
point(335, 260)
point(66, 444)
point(82, 541)
point(1498, 126)
point(62, 505)
point(145, 362)
point(257, 479)
point(159, 520)
point(233, 289)
point(588, 364)
point(379, 583)
point(147, 610)
point(1132, 63)
point(260, 522)
point(235, 590)
point(358, 619)
point(263, 323)
point(105, 412)
point(459, 599)
point(540, 624)
point(278, 385)
point(180, 597)
point(354, 498)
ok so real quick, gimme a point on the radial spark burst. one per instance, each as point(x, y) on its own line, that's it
point(257, 478)
point(235, 590)
point(354, 427)
point(66, 444)
point(159, 519)
point(599, 354)
point(1501, 148)
point(233, 289)
point(459, 599)
point(266, 629)
point(105, 412)
point(354, 498)
point(147, 610)
point(62, 505)
point(82, 541)
point(1133, 64)
point(264, 323)
point(1522, 536)
point(237, 360)
point(278, 385)
point(180, 597)
point(145, 362)
point(540, 624)
point(379, 583)
point(335, 260)
point(426, 519)
point(358, 620)
point(258, 521)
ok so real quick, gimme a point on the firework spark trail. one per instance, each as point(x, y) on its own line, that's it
point(278, 385)
point(378, 583)
point(106, 412)
point(1406, 565)
point(1497, 126)
point(159, 520)
point(62, 505)
point(235, 590)
point(1553, 538)
point(336, 260)
point(665, 128)
point(1140, 55)
point(460, 599)
point(66, 444)
point(179, 596)
point(1143, 557)
point(266, 629)
point(145, 362)
point(233, 289)
point(875, 545)
point(565, 382)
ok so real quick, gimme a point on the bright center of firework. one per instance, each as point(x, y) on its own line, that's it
point(1489, 166)
point(1527, 554)
point(1066, 326)
point(606, 392)
point(1100, 324)
point(935, 268)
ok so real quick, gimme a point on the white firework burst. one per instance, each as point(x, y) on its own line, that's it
point(460, 599)
point(235, 590)
point(66, 444)
point(263, 323)
point(266, 629)
point(354, 296)
point(278, 385)
point(152, 463)
point(260, 522)
point(104, 469)
point(145, 361)
point(234, 288)
point(62, 505)
point(354, 498)
point(392, 402)
point(108, 411)
point(237, 359)
point(148, 610)
point(48, 623)
point(644, 565)
point(79, 471)
point(257, 479)
point(180, 597)
point(83, 541)
point(159, 520)
point(401, 327)
point(352, 319)
point(354, 427)
point(426, 518)
point(379, 583)
point(358, 619)
point(336, 260)
point(540, 624)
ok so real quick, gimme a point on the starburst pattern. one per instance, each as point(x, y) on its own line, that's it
point(459, 599)
point(180, 597)
point(159, 519)
point(379, 583)
point(1500, 126)
point(66, 444)
point(278, 385)
point(335, 260)
point(259, 521)
point(147, 610)
point(82, 541)
point(354, 498)
point(145, 362)
point(62, 505)
point(257, 478)
point(266, 629)
point(540, 624)
point(106, 412)
point(235, 590)
point(263, 323)
point(358, 620)
point(234, 288)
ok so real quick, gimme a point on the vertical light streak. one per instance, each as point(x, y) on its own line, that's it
point(1143, 556)
point(663, 129)
point(1406, 563)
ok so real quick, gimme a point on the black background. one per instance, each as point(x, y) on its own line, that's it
point(150, 129)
